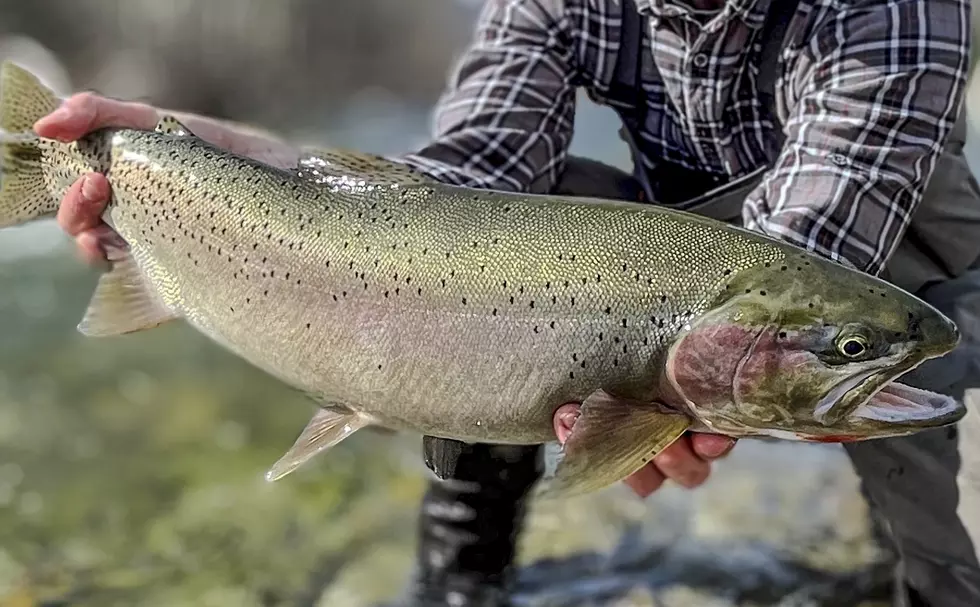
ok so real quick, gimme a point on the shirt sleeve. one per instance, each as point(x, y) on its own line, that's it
point(505, 121)
point(879, 91)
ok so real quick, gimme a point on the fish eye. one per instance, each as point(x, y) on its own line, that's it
point(853, 346)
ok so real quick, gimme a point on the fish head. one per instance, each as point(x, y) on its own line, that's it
point(808, 349)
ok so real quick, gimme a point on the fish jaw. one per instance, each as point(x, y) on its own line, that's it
point(899, 409)
point(896, 410)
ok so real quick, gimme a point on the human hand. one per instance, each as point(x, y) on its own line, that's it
point(80, 213)
point(687, 461)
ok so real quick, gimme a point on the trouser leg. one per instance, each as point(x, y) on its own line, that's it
point(925, 488)
point(470, 521)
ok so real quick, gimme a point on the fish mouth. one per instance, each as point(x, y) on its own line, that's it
point(900, 404)
point(876, 397)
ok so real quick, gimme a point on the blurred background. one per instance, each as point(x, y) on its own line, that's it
point(131, 468)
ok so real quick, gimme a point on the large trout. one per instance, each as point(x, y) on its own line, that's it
point(400, 302)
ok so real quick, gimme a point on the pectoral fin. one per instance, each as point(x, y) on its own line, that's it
point(326, 429)
point(612, 439)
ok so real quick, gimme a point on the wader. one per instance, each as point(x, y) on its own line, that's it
point(923, 490)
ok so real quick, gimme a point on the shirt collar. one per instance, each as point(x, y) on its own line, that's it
point(752, 12)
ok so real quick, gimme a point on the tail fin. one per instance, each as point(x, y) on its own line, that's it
point(23, 100)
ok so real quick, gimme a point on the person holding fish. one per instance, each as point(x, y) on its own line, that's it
point(838, 127)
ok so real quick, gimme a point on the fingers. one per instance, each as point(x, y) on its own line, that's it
point(686, 462)
point(646, 480)
point(90, 250)
point(679, 463)
point(81, 208)
point(711, 446)
point(564, 418)
point(80, 215)
point(86, 112)
point(93, 245)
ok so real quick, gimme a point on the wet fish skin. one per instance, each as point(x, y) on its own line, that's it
point(470, 314)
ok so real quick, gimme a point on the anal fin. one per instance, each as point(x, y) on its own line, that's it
point(611, 439)
point(122, 302)
point(326, 429)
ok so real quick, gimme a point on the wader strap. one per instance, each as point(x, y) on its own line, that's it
point(773, 34)
point(628, 82)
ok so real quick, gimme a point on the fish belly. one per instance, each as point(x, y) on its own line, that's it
point(452, 312)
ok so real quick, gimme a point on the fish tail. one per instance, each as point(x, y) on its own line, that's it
point(23, 100)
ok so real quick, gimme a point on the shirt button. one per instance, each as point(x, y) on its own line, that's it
point(700, 60)
point(839, 159)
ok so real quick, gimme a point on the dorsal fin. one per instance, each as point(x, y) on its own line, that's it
point(326, 165)
point(169, 125)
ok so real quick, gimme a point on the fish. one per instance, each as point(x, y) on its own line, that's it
point(398, 302)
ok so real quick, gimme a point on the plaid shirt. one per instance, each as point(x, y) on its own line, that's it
point(867, 94)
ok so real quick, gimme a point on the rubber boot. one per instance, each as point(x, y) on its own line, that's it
point(470, 519)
